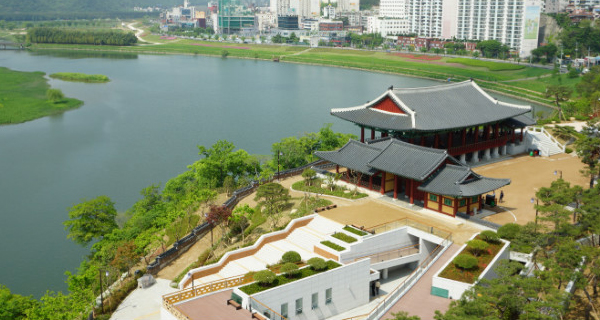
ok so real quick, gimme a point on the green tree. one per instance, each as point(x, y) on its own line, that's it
point(91, 219)
point(14, 306)
point(588, 150)
point(55, 95)
point(554, 201)
point(273, 197)
point(403, 315)
point(308, 175)
point(219, 162)
point(559, 94)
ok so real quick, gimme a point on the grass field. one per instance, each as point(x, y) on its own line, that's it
point(80, 77)
point(501, 77)
point(23, 97)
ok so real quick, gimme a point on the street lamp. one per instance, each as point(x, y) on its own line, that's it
point(101, 289)
point(557, 172)
point(190, 275)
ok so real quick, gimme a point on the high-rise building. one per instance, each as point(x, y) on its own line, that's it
point(426, 17)
point(393, 17)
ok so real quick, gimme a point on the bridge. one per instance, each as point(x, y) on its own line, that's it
point(7, 45)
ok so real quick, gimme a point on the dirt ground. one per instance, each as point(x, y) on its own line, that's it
point(527, 175)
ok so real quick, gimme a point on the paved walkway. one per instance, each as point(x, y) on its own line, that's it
point(419, 301)
point(143, 303)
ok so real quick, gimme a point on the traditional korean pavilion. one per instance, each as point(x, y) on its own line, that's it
point(459, 117)
point(426, 137)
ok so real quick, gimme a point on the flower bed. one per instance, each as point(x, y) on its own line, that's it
point(355, 231)
point(469, 276)
point(344, 237)
point(281, 279)
point(333, 245)
point(419, 57)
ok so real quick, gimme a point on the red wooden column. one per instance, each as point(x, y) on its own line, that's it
point(412, 197)
point(463, 137)
point(372, 133)
point(469, 205)
point(476, 134)
point(487, 132)
point(370, 182)
point(337, 168)
point(497, 131)
point(455, 207)
point(436, 143)
point(384, 134)
point(512, 139)
point(383, 182)
point(521, 135)
point(362, 134)
point(395, 187)
point(422, 140)
point(440, 198)
point(449, 140)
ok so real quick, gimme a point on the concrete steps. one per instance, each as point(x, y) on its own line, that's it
point(539, 138)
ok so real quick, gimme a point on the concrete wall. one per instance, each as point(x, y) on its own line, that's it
point(382, 242)
point(349, 285)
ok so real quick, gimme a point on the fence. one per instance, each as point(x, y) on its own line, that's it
point(186, 242)
point(409, 223)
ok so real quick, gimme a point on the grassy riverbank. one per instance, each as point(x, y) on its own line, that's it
point(80, 77)
point(517, 80)
point(23, 97)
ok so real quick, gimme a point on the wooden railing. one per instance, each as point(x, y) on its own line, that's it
point(391, 254)
point(406, 222)
point(487, 144)
point(263, 307)
point(203, 289)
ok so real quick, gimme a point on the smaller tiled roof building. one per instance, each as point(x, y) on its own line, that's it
point(419, 173)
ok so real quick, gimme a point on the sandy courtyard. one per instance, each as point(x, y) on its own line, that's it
point(527, 175)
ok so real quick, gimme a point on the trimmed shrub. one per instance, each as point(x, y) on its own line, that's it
point(291, 256)
point(489, 236)
point(289, 269)
point(264, 277)
point(509, 231)
point(568, 150)
point(355, 231)
point(317, 263)
point(477, 247)
point(465, 261)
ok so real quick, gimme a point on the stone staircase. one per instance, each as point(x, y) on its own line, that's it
point(539, 138)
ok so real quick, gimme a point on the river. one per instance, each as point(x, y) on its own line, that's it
point(143, 127)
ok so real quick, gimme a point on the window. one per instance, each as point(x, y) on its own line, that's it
point(284, 310)
point(447, 202)
point(328, 297)
point(315, 300)
point(299, 306)
point(433, 197)
point(462, 202)
point(474, 199)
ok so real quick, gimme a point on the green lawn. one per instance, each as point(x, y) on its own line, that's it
point(23, 97)
point(490, 75)
point(80, 77)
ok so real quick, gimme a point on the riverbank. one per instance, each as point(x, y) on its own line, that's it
point(516, 83)
point(23, 97)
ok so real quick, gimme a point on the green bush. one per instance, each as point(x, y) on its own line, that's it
point(509, 231)
point(264, 277)
point(333, 245)
point(291, 256)
point(568, 150)
point(289, 269)
point(489, 236)
point(317, 263)
point(477, 247)
point(344, 237)
point(465, 261)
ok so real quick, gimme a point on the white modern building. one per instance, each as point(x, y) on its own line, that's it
point(394, 18)
point(426, 17)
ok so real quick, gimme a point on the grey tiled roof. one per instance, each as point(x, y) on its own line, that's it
point(448, 106)
point(408, 160)
point(354, 155)
point(457, 181)
point(521, 121)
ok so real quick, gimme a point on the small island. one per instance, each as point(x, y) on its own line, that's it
point(26, 96)
point(80, 77)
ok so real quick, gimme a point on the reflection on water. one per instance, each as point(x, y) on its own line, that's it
point(71, 54)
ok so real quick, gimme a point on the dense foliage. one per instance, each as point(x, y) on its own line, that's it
point(291, 257)
point(67, 36)
point(80, 6)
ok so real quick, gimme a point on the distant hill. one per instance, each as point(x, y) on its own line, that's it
point(84, 6)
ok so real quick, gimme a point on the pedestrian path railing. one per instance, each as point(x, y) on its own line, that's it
point(407, 222)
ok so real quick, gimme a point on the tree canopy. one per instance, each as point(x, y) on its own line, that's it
point(91, 219)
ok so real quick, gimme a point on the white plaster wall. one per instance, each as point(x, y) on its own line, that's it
point(378, 243)
point(350, 288)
